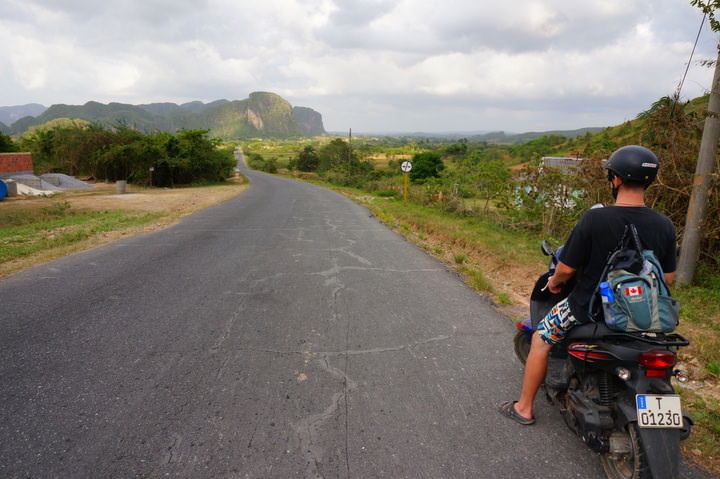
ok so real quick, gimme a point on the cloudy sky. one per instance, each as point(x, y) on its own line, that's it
point(369, 65)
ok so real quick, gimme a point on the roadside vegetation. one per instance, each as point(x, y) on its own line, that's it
point(484, 207)
point(88, 150)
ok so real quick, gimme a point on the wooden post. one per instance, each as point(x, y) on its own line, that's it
point(405, 186)
point(690, 247)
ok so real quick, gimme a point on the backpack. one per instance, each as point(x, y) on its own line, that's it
point(638, 297)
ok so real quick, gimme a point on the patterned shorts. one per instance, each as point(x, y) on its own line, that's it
point(554, 327)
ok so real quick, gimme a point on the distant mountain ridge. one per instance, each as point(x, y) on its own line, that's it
point(11, 114)
point(262, 114)
point(488, 136)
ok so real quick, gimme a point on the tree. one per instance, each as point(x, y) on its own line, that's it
point(334, 154)
point(307, 159)
point(492, 178)
point(6, 144)
point(426, 165)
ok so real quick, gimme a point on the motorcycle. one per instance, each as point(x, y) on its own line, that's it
point(613, 388)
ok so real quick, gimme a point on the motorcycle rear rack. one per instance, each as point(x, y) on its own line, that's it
point(666, 339)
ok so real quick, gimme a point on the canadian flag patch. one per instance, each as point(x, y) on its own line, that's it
point(633, 291)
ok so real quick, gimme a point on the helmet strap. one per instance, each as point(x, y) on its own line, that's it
point(615, 189)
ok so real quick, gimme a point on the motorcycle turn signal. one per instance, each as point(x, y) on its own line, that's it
point(623, 374)
point(681, 375)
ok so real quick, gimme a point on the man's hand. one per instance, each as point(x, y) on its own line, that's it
point(563, 273)
point(553, 287)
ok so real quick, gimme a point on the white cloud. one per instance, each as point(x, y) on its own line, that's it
point(395, 64)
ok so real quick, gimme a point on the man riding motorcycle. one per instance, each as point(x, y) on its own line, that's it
point(631, 169)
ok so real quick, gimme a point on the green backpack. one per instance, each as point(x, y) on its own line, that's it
point(639, 298)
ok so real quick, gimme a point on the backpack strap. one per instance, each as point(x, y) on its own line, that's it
point(608, 263)
point(635, 237)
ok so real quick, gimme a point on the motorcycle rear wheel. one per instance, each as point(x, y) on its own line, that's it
point(522, 346)
point(627, 466)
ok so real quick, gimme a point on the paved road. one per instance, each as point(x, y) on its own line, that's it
point(283, 333)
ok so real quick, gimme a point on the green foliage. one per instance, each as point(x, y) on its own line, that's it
point(257, 162)
point(533, 150)
point(308, 159)
point(7, 144)
point(123, 153)
point(709, 7)
point(457, 149)
point(334, 155)
point(488, 177)
point(426, 165)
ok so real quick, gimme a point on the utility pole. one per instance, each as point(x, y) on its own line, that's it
point(349, 151)
point(689, 249)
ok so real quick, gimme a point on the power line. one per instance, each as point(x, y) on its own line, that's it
point(687, 67)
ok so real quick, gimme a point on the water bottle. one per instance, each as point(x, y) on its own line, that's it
point(608, 298)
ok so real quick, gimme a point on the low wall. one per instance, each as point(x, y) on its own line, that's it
point(15, 163)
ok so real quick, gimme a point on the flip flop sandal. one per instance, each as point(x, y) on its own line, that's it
point(507, 409)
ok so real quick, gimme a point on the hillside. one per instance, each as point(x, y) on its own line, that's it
point(518, 138)
point(262, 115)
point(633, 131)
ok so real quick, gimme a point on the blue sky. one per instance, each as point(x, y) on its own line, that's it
point(373, 65)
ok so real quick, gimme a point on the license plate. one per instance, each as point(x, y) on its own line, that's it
point(659, 411)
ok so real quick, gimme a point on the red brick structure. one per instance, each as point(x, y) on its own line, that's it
point(15, 163)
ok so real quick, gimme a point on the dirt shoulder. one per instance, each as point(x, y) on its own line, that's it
point(166, 205)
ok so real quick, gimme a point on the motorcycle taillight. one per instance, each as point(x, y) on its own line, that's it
point(657, 362)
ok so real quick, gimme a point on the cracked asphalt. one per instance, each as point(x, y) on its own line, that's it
point(283, 333)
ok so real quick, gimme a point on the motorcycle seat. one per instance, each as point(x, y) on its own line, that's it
point(590, 330)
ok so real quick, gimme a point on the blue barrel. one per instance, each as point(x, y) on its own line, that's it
point(3, 189)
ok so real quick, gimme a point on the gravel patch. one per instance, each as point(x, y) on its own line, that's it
point(64, 181)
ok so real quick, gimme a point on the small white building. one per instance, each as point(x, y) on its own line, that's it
point(565, 163)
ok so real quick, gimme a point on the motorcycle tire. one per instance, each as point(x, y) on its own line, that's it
point(522, 346)
point(627, 466)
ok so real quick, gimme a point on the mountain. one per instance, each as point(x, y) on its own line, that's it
point(11, 114)
point(262, 114)
point(164, 109)
point(4, 128)
point(517, 138)
point(309, 121)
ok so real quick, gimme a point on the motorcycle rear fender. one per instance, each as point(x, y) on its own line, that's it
point(627, 412)
point(662, 450)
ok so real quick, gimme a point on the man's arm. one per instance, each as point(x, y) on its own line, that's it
point(669, 277)
point(562, 274)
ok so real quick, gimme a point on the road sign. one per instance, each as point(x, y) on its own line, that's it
point(406, 166)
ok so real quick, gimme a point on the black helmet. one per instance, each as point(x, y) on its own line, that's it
point(634, 163)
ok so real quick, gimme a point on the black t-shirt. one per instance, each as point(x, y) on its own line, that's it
point(598, 233)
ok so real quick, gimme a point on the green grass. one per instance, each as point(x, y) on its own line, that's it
point(460, 258)
point(504, 298)
point(507, 246)
point(476, 279)
point(700, 306)
point(24, 232)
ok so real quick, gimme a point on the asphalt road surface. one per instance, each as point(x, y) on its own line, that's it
point(283, 333)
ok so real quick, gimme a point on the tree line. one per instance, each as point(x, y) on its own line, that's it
point(122, 153)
